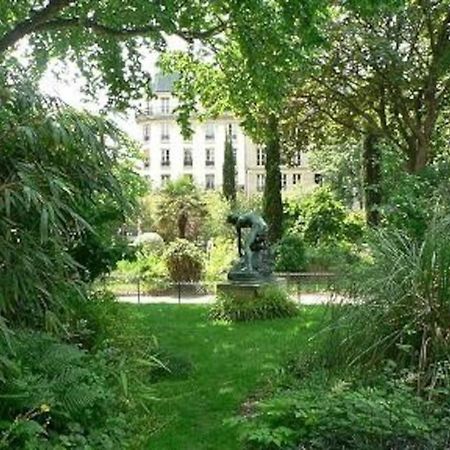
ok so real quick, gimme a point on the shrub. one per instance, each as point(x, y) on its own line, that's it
point(403, 306)
point(271, 303)
point(184, 261)
point(330, 256)
point(290, 254)
point(57, 396)
point(320, 416)
point(323, 216)
point(219, 259)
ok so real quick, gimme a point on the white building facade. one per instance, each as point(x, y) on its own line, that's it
point(168, 156)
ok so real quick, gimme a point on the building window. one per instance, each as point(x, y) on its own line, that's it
point(297, 159)
point(260, 156)
point(146, 162)
point(209, 132)
point(209, 157)
point(318, 178)
point(165, 157)
point(146, 132)
point(187, 160)
point(296, 178)
point(209, 181)
point(165, 105)
point(283, 181)
point(189, 176)
point(165, 136)
point(260, 182)
point(164, 180)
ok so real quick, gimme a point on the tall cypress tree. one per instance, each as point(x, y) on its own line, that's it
point(229, 170)
point(273, 205)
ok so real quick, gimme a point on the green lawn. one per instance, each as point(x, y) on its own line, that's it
point(230, 363)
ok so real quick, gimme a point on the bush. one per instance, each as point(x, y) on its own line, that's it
point(290, 254)
point(271, 303)
point(402, 311)
point(219, 259)
point(330, 256)
point(184, 261)
point(341, 416)
point(55, 394)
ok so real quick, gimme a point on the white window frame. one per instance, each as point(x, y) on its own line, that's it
point(260, 156)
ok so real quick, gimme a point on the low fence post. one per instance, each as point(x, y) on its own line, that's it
point(179, 293)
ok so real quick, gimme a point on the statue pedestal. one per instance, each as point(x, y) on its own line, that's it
point(247, 290)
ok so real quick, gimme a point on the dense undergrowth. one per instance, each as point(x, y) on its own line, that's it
point(89, 387)
point(378, 374)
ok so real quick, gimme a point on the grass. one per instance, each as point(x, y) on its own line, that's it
point(231, 362)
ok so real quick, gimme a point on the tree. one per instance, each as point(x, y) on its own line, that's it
point(106, 46)
point(273, 205)
point(180, 210)
point(250, 73)
point(229, 170)
point(384, 74)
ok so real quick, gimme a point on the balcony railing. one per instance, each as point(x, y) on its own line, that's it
point(209, 163)
point(165, 163)
point(187, 162)
point(157, 111)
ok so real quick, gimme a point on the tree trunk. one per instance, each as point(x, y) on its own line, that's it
point(273, 206)
point(419, 154)
point(372, 178)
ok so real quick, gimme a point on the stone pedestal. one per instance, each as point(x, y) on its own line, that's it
point(247, 290)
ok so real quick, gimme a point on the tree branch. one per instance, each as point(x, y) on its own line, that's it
point(36, 19)
point(46, 20)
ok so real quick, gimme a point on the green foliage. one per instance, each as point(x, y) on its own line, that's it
point(272, 303)
point(341, 415)
point(217, 210)
point(149, 267)
point(106, 48)
point(331, 256)
point(184, 261)
point(323, 216)
point(219, 259)
point(290, 254)
point(229, 171)
point(57, 396)
point(402, 295)
point(56, 164)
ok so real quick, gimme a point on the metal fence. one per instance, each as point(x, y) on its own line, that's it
point(139, 289)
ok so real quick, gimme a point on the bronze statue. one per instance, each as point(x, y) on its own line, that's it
point(254, 253)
